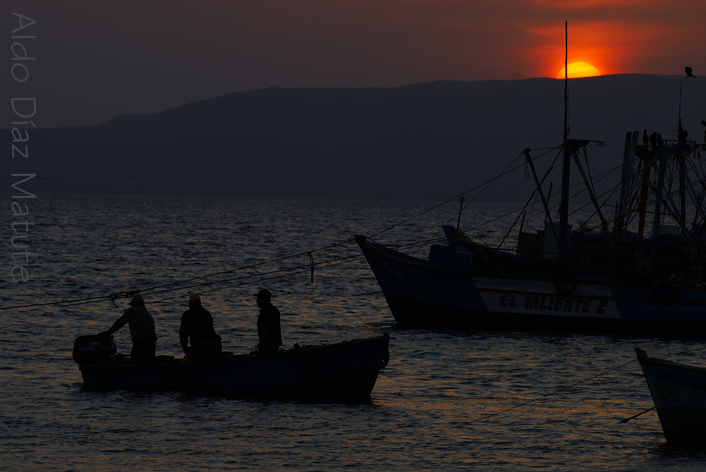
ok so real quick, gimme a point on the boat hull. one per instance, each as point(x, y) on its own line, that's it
point(679, 394)
point(420, 293)
point(346, 370)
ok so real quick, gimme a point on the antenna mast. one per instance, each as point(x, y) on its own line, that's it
point(564, 208)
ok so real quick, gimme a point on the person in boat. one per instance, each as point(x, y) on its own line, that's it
point(269, 331)
point(197, 327)
point(142, 332)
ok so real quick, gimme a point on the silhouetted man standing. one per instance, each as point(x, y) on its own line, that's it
point(268, 326)
point(142, 332)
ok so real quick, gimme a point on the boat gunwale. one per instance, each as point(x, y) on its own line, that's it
point(395, 256)
point(173, 362)
point(656, 362)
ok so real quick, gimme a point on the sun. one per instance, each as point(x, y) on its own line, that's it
point(579, 69)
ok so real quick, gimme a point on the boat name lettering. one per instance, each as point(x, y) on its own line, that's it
point(672, 379)
point(550, 302)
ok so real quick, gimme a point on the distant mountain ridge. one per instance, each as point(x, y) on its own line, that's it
point(423, 141)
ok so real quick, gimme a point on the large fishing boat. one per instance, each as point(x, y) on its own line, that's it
point(635, 262)
point(646, 271)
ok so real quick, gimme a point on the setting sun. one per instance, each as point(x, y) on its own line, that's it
point(579, 69)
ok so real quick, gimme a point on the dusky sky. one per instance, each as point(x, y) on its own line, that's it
point(95, 60)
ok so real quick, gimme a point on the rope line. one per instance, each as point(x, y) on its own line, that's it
point(189, 283)
point(575, 384)
point(542, 397)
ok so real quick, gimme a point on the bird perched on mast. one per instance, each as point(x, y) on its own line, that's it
point(687, 69)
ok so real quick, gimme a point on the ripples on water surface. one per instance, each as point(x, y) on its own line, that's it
point(447, 400)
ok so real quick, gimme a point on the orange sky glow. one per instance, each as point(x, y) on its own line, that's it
point(94, 67)
point(612, 48)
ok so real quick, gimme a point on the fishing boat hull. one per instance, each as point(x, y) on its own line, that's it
point(679, 394)
point(342, 371)
point(445, 292)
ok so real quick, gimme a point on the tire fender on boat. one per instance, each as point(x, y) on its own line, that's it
point(664, 291)
point(385, 358)
point(565, 283)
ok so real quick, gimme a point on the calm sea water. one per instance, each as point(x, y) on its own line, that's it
point(448, 400)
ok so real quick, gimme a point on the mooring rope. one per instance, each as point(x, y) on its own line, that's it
point(200, 281)
point(575, 384)
point(189, 283)
point(554, 392)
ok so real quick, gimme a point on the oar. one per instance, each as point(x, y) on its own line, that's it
point(635, 416)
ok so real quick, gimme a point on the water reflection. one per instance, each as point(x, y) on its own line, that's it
point(448, 400)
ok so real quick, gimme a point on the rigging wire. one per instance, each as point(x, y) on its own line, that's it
point(215, 278)
point(483, 186)
point(208, 279)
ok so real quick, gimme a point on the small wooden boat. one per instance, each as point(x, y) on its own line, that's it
point(679, 394)
point(342, 371)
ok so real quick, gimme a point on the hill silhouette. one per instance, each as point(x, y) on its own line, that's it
point(425, 142)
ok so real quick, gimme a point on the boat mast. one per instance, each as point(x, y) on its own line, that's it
point(663, 156)
point(620, 226)
point(564, 208)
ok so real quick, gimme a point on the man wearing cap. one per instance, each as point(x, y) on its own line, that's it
point(197, 325)
point(144, 338)
point(268, 327)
